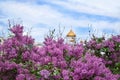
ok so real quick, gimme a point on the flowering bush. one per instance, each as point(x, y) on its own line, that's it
point(108, 49)
point(20, 59)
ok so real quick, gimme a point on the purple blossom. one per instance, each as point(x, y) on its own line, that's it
point(45, 73)
point(17, 30)
point(20, 77)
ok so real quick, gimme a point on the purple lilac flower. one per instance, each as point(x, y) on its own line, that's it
point(45, 73)
point(20, 77)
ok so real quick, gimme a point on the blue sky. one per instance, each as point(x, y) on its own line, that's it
point(101, 17)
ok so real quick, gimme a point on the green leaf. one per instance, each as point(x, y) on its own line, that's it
point(56, 72)
point(105, 49)
point(117, 64)
point(67, 58)
point(99, 40)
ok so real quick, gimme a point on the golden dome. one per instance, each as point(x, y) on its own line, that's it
point(71, 34)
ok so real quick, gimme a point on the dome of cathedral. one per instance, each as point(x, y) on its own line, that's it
point(71, 34)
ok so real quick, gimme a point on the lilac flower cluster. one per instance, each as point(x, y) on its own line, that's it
point(108, 49)
point(20, 59)
point(13, 60)
point(91, 68)
point(12, 71)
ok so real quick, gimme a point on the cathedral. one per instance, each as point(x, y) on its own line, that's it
point(71, 37)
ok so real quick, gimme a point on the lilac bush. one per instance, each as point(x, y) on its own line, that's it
point(91, 68)
point(12, 63)
point(108, 49)
point(20, 59)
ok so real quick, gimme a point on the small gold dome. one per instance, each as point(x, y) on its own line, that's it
point(71, 34)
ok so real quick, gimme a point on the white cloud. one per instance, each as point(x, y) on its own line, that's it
point(97, 7)
point(29, 12)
